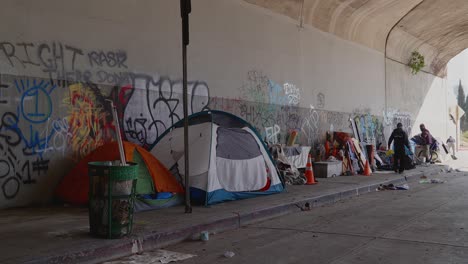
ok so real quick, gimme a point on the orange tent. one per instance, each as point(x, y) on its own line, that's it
point(74, 187)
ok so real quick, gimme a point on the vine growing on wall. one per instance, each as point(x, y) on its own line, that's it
point(416, 62)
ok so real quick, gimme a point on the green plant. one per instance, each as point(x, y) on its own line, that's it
point(416, 62)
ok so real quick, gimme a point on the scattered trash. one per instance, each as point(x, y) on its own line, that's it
point(229, 254)
point(424, 181)
point(293, 176)
point(165, 256)
point(290, 173)
point(385, 187)
point(383, 172)
point(404, 187)
point(204, 236)
point(437, 181)
point(306, 206)
point(153, 257)
point(391, 186)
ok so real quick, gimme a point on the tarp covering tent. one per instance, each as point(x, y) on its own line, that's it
point(153, 177)
point(228, 160)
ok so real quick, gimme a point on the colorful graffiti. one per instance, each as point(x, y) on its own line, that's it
point(36, 103)
point(370, 129)
point(30, 133)
point(88, 122)
point(67, 116)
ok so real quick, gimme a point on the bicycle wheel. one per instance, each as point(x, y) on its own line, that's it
point(420, 156)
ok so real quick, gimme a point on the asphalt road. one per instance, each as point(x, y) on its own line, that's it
point(426, 224)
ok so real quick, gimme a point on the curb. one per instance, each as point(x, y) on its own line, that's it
point(164, 238)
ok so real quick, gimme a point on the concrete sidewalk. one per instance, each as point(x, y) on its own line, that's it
point(61, 234)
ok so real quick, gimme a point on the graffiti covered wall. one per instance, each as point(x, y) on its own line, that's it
point(49, 123)
point(56, 78)
point(43, 121)
point(273, 109)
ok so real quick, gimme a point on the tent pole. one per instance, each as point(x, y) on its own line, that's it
point(185, 9)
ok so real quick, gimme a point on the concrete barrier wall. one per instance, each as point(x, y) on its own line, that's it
point(60, 61)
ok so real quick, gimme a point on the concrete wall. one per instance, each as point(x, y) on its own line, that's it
point(62, 59)
point(423, 97)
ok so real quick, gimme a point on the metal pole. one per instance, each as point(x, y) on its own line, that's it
point(117, 133)
point(457, 127)
point(185, 9)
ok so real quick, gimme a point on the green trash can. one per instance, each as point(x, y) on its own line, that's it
point(111, 198)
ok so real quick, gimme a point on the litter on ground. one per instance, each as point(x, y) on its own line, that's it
point(153, 257)
point(229, 254)
point(424, 181)
point(390, 186)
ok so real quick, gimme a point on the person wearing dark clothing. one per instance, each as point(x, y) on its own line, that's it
point(427, 141)
point(400, 139)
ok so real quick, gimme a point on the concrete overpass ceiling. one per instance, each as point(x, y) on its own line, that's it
point(436, 28)
point(363, 21)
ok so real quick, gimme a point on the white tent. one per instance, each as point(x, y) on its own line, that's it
point(228, 160)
